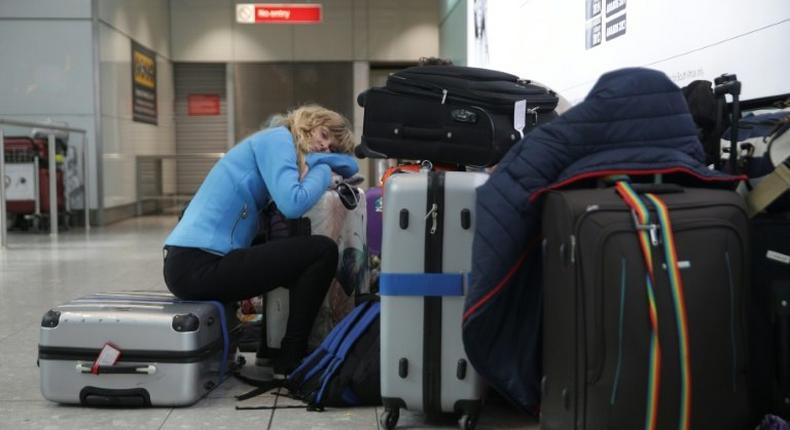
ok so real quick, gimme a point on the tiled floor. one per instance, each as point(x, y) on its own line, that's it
point(38, 272)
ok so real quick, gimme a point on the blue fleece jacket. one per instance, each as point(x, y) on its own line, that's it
point(223, 215)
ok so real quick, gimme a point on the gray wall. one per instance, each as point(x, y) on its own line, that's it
point(367, 30)
point(266, 89)
point(146, 22)
point(47, 67)
point(199, 134)
point(71, 61)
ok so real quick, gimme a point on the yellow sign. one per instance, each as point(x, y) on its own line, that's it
point(143, 84)
point(144, 70)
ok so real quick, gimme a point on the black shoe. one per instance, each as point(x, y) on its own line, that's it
point(287, 360)
point(283, 366)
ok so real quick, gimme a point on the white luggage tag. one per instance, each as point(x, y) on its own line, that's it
point(107, 357)
point(777, 256)
point(520, 116)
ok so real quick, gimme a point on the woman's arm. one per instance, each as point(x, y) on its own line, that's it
point(275, 156)
point(343, 164)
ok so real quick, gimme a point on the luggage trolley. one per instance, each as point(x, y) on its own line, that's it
point(27, 182)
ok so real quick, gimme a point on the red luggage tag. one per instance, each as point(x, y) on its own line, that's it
point(107, 357)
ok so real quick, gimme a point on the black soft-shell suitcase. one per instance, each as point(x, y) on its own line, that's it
point(770, 315)
point(598, 331)
point(451, 114)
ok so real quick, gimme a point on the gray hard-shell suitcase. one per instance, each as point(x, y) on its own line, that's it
point(172, 352)
point(426, 254)
point(596, 319)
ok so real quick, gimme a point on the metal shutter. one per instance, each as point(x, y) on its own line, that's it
point(198, 134)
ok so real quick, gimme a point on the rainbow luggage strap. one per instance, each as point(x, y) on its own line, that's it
point(647, 240)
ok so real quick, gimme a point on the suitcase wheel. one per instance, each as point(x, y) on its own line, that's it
point(389, 418)
point(467, 422)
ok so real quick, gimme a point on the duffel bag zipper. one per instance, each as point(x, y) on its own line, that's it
point(545, 102)
point(500, 77)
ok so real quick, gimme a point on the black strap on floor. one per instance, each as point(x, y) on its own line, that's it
point(262, 386)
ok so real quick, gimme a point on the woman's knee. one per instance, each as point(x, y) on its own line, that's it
point(326, 248)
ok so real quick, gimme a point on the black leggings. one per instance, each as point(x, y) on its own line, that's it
point(304, 265)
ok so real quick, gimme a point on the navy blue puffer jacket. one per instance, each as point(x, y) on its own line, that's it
point(634, 121)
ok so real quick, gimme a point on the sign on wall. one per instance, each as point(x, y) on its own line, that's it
point(558, 44)
point(143, 84)
point(278, 13)
point(203, 104)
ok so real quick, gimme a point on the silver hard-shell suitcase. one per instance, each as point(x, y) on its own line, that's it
point(172, 352)
point(426, 254)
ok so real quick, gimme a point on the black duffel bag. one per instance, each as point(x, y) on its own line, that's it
point(451, 114)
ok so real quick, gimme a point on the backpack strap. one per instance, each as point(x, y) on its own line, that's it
point(313, 363)
point(322, 356)
point(261, 386)
point(371, 313)
point(773, 186)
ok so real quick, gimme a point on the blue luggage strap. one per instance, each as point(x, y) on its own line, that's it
point(348, 342)
point(422, 284)
point(167, 299)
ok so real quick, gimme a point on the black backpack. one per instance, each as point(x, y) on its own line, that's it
point(343, 371)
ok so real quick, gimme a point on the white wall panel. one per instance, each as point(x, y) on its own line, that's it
point(42, 77)
point(146, 21)
point(452, 33)
point(548, 42)
point(447, 6)
point(45, 9)
point(201, 30)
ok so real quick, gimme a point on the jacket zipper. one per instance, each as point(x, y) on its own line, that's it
point(242, 215)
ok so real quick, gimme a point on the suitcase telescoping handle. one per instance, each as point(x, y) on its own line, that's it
point(729, 84)
point(657, 188)
point(123, 369)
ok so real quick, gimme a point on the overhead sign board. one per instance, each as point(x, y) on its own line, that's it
point(278, 13)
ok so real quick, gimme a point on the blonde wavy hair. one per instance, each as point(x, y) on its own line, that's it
point(304, 119)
